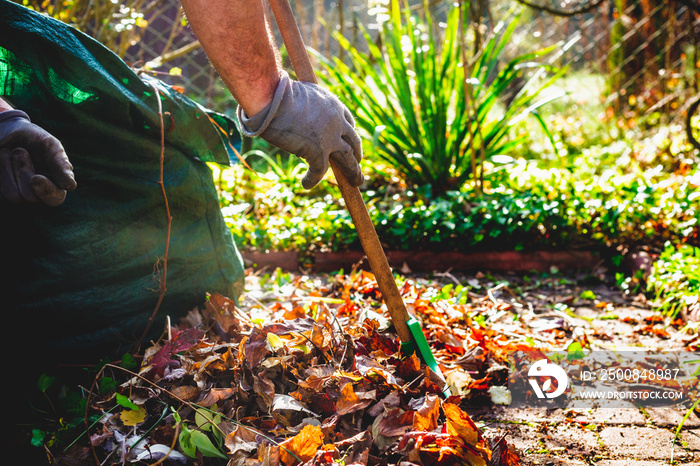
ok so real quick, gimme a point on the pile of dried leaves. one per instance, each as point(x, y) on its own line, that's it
point(315, 378)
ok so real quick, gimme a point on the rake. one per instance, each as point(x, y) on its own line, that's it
point(407, 327)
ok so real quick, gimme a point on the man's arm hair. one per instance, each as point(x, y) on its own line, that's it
point(236, 37)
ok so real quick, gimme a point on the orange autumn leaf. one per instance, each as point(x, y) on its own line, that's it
point(459, 424)
point(302, 446)
point(297, 312)
point(349, 402)
point(426, 417)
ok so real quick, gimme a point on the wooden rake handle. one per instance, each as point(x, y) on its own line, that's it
point(353, 199)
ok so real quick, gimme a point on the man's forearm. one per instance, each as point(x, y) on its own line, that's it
point(236, 38)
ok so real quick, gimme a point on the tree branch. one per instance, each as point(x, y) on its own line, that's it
point(560, 12)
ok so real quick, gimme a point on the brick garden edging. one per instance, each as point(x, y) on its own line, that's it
point(426, 261)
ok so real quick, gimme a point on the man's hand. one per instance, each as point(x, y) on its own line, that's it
point(33, 165)
point(307, 120)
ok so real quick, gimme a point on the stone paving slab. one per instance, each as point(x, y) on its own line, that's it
point(600, 437)
point(623, 413)
point(692, 439)
point(672, 416)
point(525, 438)
point(571, 439)
point(630, 463)
point(629, 415)
point(502, 413)
point(543, 460)
point(641, 443)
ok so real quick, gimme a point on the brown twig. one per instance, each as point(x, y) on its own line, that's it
point(162, 284)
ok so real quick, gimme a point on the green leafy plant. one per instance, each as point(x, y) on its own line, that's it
point(675, 280)
point(429, 111)
point(286, 167)
point(614, 197)
point(196, 440)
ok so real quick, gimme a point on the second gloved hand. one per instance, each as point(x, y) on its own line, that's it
point(33, 165)
point(307, 120)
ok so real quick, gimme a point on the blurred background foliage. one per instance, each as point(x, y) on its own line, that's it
point(487, 124)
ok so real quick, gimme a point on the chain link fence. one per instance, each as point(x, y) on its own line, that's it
point(647, 52)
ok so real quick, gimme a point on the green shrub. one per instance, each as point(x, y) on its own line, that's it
point(425, 110)
point(533, 209)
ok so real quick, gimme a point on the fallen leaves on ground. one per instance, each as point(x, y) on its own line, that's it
point(312, 374)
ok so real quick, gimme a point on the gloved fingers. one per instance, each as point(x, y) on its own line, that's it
point(56, 166)
point(353, 139)
point(318, 166)
point(46, 152)
point(8, 185)
point(46, 191)
point(348, 117)
point(349, 166)
point(23, 170)
point(350, 135)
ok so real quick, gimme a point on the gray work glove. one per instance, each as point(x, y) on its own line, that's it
point(33, 165)
point(309, 121)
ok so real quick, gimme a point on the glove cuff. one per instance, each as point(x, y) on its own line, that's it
point(255, 125)
point(6, 115)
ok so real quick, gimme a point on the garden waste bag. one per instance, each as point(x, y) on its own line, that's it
point(84, 276)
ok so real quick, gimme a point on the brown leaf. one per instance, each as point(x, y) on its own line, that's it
point(304, 445)
point(256, 347)
point(241, 440)
point(349, 402)
point(186, 392)
point(393, 400)
point(357, 446)
point(214, 395)
point(369, 367)
point(325, 456)
point(222, 310)
point(163, 434)
point(218, 363)
point(265, 389)
point(393, 423)
point(269, 455)
point(291, 326)
point(460, 424)
point(317, 376)
point(409, 368)
point(426, 416)
point(504, 454)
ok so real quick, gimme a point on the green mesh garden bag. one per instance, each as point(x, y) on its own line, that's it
point(83, 275)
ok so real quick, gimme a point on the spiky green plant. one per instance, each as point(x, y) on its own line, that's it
point(428, 111)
